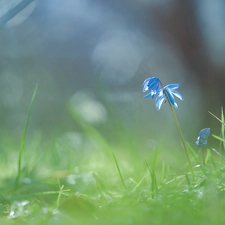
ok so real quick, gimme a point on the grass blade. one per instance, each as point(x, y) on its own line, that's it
point(215, 116)
point(22, 143)
point(154, 185)
point(163, 171)
point(219, 138)
point(222, 127)
point(138, 184)
point(59, 196)
point(188, 180)
point(118, 169)
point(222, 139)
point(32, 195)
point(212, 159)
point(193, 153)
point(219, 154)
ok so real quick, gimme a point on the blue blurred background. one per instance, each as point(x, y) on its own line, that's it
point(90, 58)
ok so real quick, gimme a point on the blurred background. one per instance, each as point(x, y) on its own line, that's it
point(90, 59)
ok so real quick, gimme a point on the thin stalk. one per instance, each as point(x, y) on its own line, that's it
point(203, 156)
point(59, 196)
point(216, 117)
point(22, 143)
point(181, 135)
point(222, 128)
point(37, 194)
point(118, 169)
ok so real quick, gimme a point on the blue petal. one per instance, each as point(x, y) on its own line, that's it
point(204, 133)
point(149, 95)
point(159, 100)
point(205, 142)
point(172, 86)
point(198, 142)
point(175, 105)
point(153, 85)
point(171, 98)
point(201, 142)
point(145, 84)
point(202, 138)
point(177, 94)
point(169, 89)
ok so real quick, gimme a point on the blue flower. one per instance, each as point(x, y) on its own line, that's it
point(202, 138)
point(152, 84)
point(168, 92)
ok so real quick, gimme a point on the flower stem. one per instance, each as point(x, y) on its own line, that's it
point(181, 135)
point(203, 156)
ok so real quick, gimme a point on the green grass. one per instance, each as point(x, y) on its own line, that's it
point(24, 137)
point(84, 178)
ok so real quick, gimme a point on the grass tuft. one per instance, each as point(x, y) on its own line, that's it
point(154, 183)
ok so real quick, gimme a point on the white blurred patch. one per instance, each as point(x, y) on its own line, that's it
point(118, 55)
point(86, 177)
point(18, 209)
point(11, 90)
point(84, 106)
point(6, 5)
point(151, 144)
point(70, 140)
point(71, 179)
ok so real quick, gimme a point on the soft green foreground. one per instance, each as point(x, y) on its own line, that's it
point(89, 176)
point(75, 179)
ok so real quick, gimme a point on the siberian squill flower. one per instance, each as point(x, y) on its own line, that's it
point(152, 84)
point(164, 94)
point(168, 93)
point(202, 139)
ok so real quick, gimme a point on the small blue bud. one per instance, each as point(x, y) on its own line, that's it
point(202, 139)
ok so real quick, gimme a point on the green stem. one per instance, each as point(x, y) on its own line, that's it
point(59, 196)
point(203, 156)
point(118, 169)
point(22, 144)
point(32, 195)
point(181, 135)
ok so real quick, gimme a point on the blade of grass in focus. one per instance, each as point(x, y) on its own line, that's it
point(222, 137)
point(222, 128)
point(22, 143)
point(118, 169)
